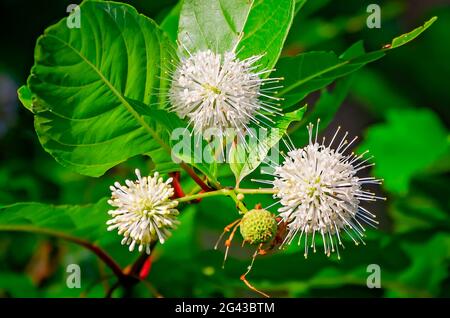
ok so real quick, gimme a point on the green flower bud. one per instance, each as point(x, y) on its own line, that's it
point(258, 226)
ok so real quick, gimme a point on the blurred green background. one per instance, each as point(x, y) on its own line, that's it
point(398, 105)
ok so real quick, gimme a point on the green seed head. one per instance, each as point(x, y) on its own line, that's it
point(258, 226)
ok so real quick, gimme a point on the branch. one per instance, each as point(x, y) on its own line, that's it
point(187, 198)
point(137, 265)
point(225, 192)
point(256, 191)
point(195, 177)
point(95, 249)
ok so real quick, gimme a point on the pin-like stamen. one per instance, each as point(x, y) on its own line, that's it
point(319, 191)
point(221, 91)
point(144, 211)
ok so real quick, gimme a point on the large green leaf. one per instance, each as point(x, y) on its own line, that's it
point(219, 24)
point(171, 126)
point(246, 157)
point(86, 223)
point(266, 29)
point(82, 83)
point(407, 37)
point(429, 265)
point(83, 225)
point(170, 22)
point(312, 71)
point(182, 248)
point(214, 24)
point(16, 285)
point(308, 72)
point(324, 109)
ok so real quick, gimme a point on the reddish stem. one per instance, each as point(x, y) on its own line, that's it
point(106, 259)
point(146, 267)
point(178, 191)
point(195, 177)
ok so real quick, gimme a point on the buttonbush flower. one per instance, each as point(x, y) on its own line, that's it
point(320, 193)
point(222, 92)
point(144, 211)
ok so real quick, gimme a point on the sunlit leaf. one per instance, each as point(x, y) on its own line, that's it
point(83, 79)
point(87, 223)
point(308, 72)
point(246, 157)
point(253, 27)
point(407, 37)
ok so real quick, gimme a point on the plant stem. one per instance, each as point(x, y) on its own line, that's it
point(256, 191)
point(112, 289)
point(194, 176)
point(137, 265)
point(196, 189)
point(239, 204)
point(224, 192)
point(105, 258)
point(97, 250)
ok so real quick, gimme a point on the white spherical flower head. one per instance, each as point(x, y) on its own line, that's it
point(222, 92)
point(320, 192)
point(144, 211)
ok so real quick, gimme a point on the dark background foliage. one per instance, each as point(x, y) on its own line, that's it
point(398, 105)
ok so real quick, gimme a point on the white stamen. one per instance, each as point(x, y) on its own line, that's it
point(220, 91)
point(144, 211)
point(319, 191)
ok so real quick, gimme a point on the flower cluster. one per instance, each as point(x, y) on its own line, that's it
point(320, 193)
point(222, 92)
point(144, 211)
point(317, 186)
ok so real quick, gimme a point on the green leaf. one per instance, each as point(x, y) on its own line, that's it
point(245, 158)
point(407, 37)
point(308, 72)
point(266, 29)
point(399, 154)
point(182, 248)
point(25, 97)
point(429, 266)
point(312, 71)
point(87, 223)
point(16, 285)
point(417, 211)
point(171, 21)
point(169, 125)
point(218, 24)
point(194, 150)
point(324, 109)
point(83, 80)
point(214, 24)
point(299, 5)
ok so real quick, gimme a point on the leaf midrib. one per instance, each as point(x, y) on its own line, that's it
point(123, 101)
point(260, 25)
point(311, 77)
